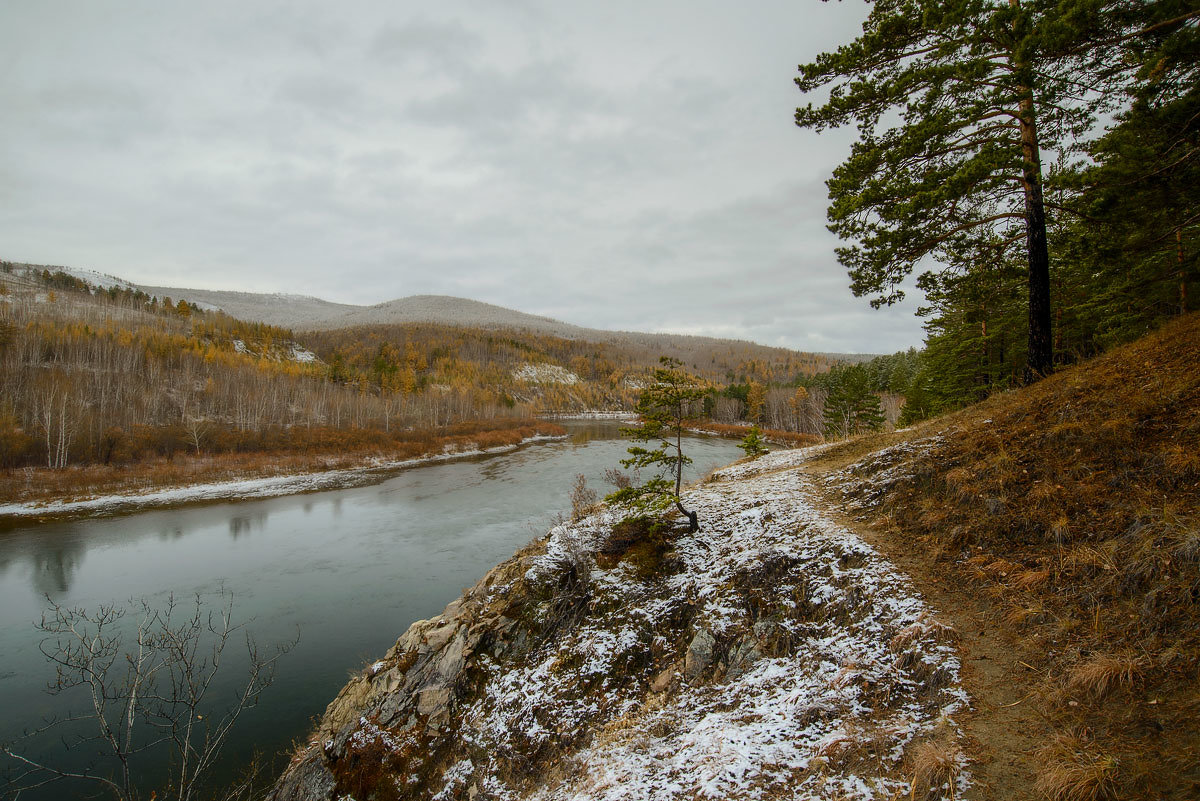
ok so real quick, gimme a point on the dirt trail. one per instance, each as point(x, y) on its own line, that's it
point(1005, 726)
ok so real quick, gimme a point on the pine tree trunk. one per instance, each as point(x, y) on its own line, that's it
point(1040, 360)
point(693, 518)
point(1041, 349)
point(1182, 275)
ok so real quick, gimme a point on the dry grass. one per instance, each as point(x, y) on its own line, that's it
point(933, 766)
point(1072, 506)
point(926, 626)
point(1030, 579)
point(1099, 675)
point(1074, 771)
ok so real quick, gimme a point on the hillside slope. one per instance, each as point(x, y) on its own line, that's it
point(447, 310)
point(306, 313)
point(283, 310)
point(1068, 512)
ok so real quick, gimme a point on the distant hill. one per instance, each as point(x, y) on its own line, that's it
point(285, 311)
point(306, 313)
point(448, 310)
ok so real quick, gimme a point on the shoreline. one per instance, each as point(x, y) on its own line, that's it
point(594, 415)
point(245, 488)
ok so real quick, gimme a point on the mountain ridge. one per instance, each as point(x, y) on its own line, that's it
point(301, 313)
point(310, 313)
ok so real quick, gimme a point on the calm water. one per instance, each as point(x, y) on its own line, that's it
point(347, 569)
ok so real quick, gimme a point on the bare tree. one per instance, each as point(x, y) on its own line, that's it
point(197, 428)
point(143, 699)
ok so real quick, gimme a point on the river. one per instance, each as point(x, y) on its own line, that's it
point(348, 570)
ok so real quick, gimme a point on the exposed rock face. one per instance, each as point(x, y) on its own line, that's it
point(699, 654)
point(771, 629)
point(414, 689)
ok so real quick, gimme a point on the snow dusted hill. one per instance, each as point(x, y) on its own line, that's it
point(772, 654)
point(305, 313)
point(450, 310)
point(286, 311)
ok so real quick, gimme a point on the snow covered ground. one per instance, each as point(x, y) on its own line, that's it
point(102, 280)
point(832, 668)
point(545, 374)
point(771, 655)
point(595, 414)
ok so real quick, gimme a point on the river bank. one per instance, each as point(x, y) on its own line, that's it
point(771, 651)
point(102, 490)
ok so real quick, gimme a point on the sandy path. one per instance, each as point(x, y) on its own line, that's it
point(1005, 726)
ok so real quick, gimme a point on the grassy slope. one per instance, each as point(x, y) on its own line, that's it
point(1067, 514)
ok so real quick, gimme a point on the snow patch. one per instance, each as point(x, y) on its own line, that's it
point(545, 374)
point(102, 280)
point(303, 355)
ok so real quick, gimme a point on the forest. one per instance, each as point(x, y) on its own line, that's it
point(112, 376)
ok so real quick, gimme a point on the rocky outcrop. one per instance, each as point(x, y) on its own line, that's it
point(771, 649)
point(408, 698)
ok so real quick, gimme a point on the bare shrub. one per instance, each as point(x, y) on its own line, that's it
point(618, 478)
point(146, 695)
point(583, 499)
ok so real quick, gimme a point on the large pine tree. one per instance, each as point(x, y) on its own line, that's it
point(954, 101)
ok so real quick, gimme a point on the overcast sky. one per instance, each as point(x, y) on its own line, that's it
point(627, 165)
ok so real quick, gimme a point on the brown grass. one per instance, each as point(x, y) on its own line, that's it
point(1099, 675)
point(1074, 771)
point(1072, 505)
point(933, 764)
point(926, 626)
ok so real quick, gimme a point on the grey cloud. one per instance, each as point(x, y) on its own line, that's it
point(442, 43)
point(626, 166)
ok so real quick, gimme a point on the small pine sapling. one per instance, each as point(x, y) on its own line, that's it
point(663, 407)
point(753, 443)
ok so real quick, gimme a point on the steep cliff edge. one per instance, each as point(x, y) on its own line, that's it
point(772, 650)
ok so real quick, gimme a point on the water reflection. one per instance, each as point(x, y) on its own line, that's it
point(244, 524)
point(583, 433)
point(494, 471)
point(55, 567)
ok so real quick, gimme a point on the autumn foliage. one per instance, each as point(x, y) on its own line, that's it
point(114, 377)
